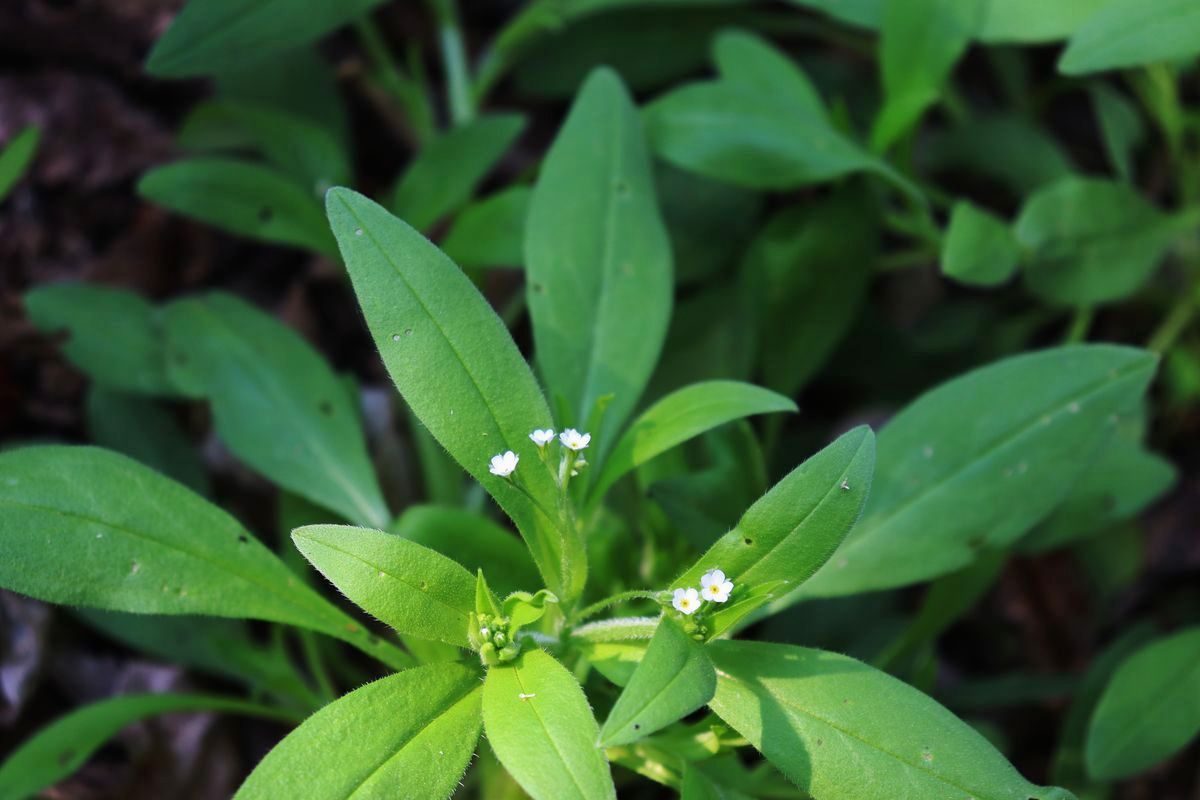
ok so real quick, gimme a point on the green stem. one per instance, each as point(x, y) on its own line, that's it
point(1177, 319)
point(1081, 323)
point(316, 665)
point(408, 93)
point(454, 59)
point(596, 608)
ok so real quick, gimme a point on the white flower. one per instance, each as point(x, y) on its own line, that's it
point(574, 440)
point(542, 438)
point(504, 464)
point(686, 601)
point(714, 586)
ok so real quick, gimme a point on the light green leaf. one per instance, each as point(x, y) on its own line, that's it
point(82, 526)
point(1120, 126)
point(979, 248)
point(756, 127)
point(1150, 709)
point(920, 42)
point(303, 148)
point(249, 199)
point(472, 540)
point(615, 646)
point(791, 531)
point(16, 157)
point(841, 730)
point(1034, 21)
point(597, 255)
point(674, 678)
point(145, 431)
point(444, 175)
point(976, 462)
point(540, 726)
point(210, 36)
point(412, 733)
point(1125, 33)
point(490, 232)
point(682, 415)
point(113, 335)
point(276, 403)
point(1090, 240)
point(411, 588)
point(459, 370)
point(64, 745)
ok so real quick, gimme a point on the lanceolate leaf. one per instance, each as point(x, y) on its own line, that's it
point(112, 335)
point(459, 370)
point(540, 726)
point(597, 256)
point(413, 589)
point(491, 232)
point(791, 531)
point(15, 158)
point(65, 745)
point(277, 404)
point(674, 678)
point(841, 730)
point(409, 734)
point(82, 526)
point(242, 197)
point(210, 36)
point(682, 415)
point(1150, 709)
point(1125, 34)
point(976, 462)
point(444, 175)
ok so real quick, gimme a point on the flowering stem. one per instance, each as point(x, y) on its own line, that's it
point(597, 607)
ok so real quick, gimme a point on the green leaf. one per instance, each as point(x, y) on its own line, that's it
point(211, 36)
point(113, 335)
point(727, 616)
point(143, 430)
point(82, 526)
point(472, 540)
point(1034, 21)
point(1120, 126)
point(63, 746)
point(303, 148)
point(459, 370)
point(276, 403)
point(1006, 148)
point(811, 267)
point(841, 730)
point(1150, 709)
point(674, 678)
point(920, 42)
point(412, 733)
point(755, 127)
point(597, 255)
point(1091, 241)
point(241, 197)
point(490, 232)
point(681, 416)
point(444, 175)
point(709, 221)
point(540, 726)
point(1125, 33)
point(976, 462)
point(524, 608)
point(791, 531)
point(979, 248)
point(411, 588)
point(16, 157)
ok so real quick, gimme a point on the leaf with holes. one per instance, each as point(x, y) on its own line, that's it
point(413, 589)
point(413, 732)
point(841, 730)
point(459, 370)
point(276, 403)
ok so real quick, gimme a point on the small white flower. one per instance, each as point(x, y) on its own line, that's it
point(574, 440)
point(714, 586)
point(686, 601)
point(504, 464)
point(542, 438)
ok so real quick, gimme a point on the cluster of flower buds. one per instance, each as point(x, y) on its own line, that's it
point(490, 636)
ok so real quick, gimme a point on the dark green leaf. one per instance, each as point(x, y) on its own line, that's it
point(979, 248)
point(276, 403)
point(409, 734)
point(1120, 126)
point(708, 221)
point(490, 232)
point(16, 157)
point(1125, 33)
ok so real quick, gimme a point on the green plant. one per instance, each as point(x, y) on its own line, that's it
point(623, 631)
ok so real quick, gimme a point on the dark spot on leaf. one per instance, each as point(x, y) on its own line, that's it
point(748, 541)
point(539, 288)
point(373, 639)
point(326, 408)
point(265, 214)
point(637, 727)
point(243, 538)
point(977, 542)
point(1108, 502)
point(65, 757)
